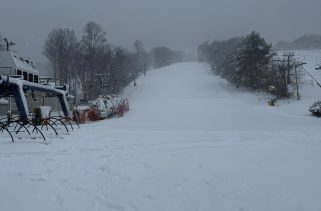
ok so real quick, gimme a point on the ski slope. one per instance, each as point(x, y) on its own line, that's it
point(190, 142)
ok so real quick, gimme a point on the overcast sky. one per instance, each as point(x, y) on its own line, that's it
point(178, 24)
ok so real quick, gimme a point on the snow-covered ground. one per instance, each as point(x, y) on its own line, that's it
point(190, 142)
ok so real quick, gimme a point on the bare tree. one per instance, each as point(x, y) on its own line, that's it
point(92, 62)
point(139, 46)
point(94, 37)
point(59, 48)
point(138, 60)
point(143, 60)
point(96, 57)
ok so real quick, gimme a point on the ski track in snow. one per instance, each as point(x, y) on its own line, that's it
point(190, 142)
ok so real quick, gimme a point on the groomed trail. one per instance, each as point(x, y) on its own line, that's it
point(190, 142)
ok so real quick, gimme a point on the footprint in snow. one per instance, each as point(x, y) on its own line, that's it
point(178, 185)
point(19, 174)
point(116, 207)
point(149, 196)
point(41, 179)
point(62, 182)
point(200, 166)
point(146, 166)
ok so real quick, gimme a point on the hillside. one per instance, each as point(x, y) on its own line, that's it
point(190, 142)
point(304, 42)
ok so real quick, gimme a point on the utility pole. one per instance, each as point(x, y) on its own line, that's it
point(8, 44)
point(315, 80)
point(296, 65)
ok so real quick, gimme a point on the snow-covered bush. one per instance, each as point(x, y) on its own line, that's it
point(110, 105)
point(315, 108)
point(99, 104)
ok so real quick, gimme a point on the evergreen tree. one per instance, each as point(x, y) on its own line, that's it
point(253, 58)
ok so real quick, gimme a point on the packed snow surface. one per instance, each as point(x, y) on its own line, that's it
point(190, 142)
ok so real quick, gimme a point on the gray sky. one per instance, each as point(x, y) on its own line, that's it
point(178, 24)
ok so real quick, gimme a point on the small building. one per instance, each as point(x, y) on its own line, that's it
point(33, 93)
point(15, 66)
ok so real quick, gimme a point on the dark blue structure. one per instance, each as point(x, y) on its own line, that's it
point(17, 88)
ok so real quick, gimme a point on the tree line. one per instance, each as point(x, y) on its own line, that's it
point(2, 44)
point(304, 42)
point(93, 66)
point(249, 62)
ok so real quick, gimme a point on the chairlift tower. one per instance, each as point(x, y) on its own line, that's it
point(103, 81)
point(297, 64)
point(288, 59)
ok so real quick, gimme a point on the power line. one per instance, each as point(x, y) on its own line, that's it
point(311, 77)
